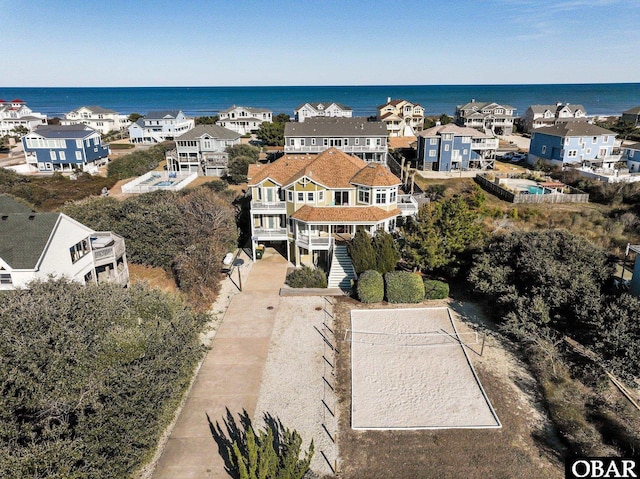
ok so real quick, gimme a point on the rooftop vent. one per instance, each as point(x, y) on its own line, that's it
point(5, 217)
point(32, 217)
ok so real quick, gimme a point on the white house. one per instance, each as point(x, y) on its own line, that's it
point(203, 150)
point(16, 113)
point(538, 116)
point(159, 126)
point(98, 118)
point(331, 109)
point(489, 117)
point(402, 117)
point(36, 246)
point(244, 119)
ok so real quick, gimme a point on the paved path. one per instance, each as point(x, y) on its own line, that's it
point(230, 375)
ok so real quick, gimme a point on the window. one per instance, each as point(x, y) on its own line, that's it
point(63, 156)
point(78, 155)
point(341, 198)
point(588, 151)
point(325, 142)
point(363, 195)
point(78, 250)
point(433, 141)
point(432, 153)
point(346, 142)
point(381, 197)
point(447, 136)
point(544, 149)
point(594, 139)
point(464, 152)
point(290, 195)
point(605, 139)
point(5, 278)
point(310, 197)
point(446, 147)
point(300, 196)
point(291, 142)
point(320, 195)
point(392, 196)
point(78, 143)
point(572, 153)
point(466, 139)
point(356, 141)
point(52, 154)
point(301, 141)
point(313, 141)
point(378, 141)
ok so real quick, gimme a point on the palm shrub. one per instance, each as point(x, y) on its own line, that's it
point(306, 277)
point(404, 287)
point(434, 289)
point(370, 287)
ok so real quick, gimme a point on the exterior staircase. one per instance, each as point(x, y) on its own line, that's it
point(342, 271)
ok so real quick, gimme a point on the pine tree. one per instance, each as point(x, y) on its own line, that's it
point(387, 255)
point(362, 252)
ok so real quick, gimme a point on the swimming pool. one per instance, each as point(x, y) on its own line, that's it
point(536, 190)
point(165, 183)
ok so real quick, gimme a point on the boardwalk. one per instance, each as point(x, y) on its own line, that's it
point(230, 375)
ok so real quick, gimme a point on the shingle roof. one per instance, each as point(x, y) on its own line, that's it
point(9, 205)
point(248, 108)
point(632, 146)
point(332, 168)
point(96, 109)
point(279, 171)
point(338, 127)
point(23, 237)
point(159, 115)
point(455, 129)
point(215, 131)
point(326, 104)
point(633, 111)
point(483, 104)
point(336, 214)
point(375, 175)
point(574, 128)
point(76, 131)
point(556, 107)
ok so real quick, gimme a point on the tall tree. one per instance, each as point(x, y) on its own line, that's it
point(361, 251)
point(387, 255)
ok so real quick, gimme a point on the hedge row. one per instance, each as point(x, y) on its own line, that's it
point(400, 286)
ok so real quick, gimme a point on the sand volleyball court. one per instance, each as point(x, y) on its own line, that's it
point(410, 371)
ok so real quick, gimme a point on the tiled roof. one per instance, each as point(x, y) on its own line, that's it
point(455, 129)
point(375, 175)
point(337, 214)
point(574, 128)
point(335, 127)
point(332, 168)
point(23, 237)
point(401, 142)
point(215, 131)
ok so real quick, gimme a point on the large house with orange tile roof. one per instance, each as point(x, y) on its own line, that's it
point(310, 203)
point(402, 117)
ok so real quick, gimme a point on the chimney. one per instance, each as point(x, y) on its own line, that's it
point(558, 103)
point(388, 99)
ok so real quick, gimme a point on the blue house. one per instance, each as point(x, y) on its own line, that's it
point(576, 144)
point(451, 147)
point(64, 148)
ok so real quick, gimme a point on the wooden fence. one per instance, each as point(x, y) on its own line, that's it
point(575, 196)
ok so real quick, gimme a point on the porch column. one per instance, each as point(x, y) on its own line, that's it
point(253, 239)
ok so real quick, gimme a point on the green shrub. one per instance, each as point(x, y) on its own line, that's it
point(139, 162)
point(434, 289)
point(361, 251)
point(404, 287)
point(370, 287)
point(306, 277)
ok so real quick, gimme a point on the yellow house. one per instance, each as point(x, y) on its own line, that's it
point(312, 204)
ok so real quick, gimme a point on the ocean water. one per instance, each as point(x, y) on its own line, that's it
point(598, 99)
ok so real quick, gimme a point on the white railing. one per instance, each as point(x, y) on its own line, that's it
point(259, 205)
point(346, 149)
point(264, 233)
point(323, 242)
point(407, 204)
point(159, 180)
point(484, 145)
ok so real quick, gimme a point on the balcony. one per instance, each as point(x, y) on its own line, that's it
point(270, 233)
point(407, 204)
point(274, 206)
point(314, 242)
point(106, 247)
point(346, 149)
point(491, 144)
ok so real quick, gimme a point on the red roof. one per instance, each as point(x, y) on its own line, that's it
point(2, 101)
point(17, 100)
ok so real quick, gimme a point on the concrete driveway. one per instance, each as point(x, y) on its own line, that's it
point(230, 375)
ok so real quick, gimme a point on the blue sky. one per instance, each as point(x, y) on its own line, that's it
point(318, 42)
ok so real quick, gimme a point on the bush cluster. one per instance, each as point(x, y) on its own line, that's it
point(404, 287)
point(370, 287)
point(139, 162)
point(434, 289)
point(307, 277)
point(91, 377)
point(378, 253)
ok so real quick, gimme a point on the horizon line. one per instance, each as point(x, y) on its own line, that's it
point(330, 86)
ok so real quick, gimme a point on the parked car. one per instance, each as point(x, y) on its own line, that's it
point(518, 157)
point(507, 156)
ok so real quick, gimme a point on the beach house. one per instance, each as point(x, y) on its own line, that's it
point(16, 113)
point(454, 148)
point(159, 126)
point(310, 205)
point(98, 118)
point(368, 140)
point(243, 119)
point(202, 150)
point(36, 246)
point(632, 116)
point(576, 144)
point(631, 155)
point(488, 117)
point(402, 117)
point(323, 109)
point(61, 148)
point(538, 116)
